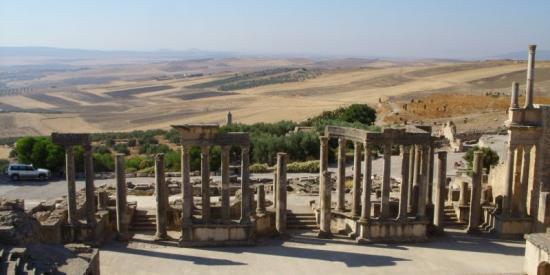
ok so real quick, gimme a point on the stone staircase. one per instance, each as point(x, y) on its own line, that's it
point(301, 221)
point(450, 220)
point(143, 221)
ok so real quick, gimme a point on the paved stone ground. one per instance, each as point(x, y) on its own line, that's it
point(303, 254)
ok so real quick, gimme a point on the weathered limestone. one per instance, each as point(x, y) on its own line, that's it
point(529, 86)
point(509, 181)
point(367, 184)
point(385, 199)
point(341, 176)
point(325, 191)
point(422, 187)
point(356, 206)
point(431, 175)
point(89, 173)
point(475, 201)
point(161, 198)
point(225, 185)
point(121, 219)
point(404, 192)
point(412, 158)
point(186, 187)
point(72, 219)
point(205, 184)
point(524, 188)
point(440, 190)
point(515, 94)
point(245, 185)
point(462, 199)
point(280, 211)
point(260, 200)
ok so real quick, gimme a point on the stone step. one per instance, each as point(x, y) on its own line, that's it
point(302, 226)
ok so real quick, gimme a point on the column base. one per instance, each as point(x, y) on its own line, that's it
point(324, 235)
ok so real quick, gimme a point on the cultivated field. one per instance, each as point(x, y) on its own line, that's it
point(94, 98)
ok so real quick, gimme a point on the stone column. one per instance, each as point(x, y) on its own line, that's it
point(71, 188)
point(524, 188)
point(274, 189)
point(260, 200)
point(121, 219)
point(529, 87)
point(341, 176)
point(440, 190)
point(367, 184)
point(225, 211)
point(205, 184)
point(280, 212)
point(161, 198)
point(509, 181)
point(325, 191)
point(90, 189)
point(404, 190)
point(462, 199)
point(422, 190)
point(245, 185)
point(418, 162)
point(356, 207)
point(431, 176)
point(515, 94)
point(102, 200)
point(186, 187)
point(475, 201)
point(323, 158)
point(385, 199)
point(411, 178)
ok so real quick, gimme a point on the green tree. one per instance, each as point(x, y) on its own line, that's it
point(489, 156)
point(40, 151)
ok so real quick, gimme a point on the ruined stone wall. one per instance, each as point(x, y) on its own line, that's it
point(545, 148)
point(496, 179)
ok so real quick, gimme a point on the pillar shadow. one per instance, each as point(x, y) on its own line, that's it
point(311, 239)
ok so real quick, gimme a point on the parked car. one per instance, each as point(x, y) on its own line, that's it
point(26, 171)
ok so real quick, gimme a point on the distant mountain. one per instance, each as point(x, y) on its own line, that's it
point(522, 55)
point(62, 53)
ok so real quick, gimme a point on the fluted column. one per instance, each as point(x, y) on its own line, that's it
point(422, 187)
point(367, 184)
point(509, 181)
point(161, 198)
point(280, 212)
point(524, 188)
point(245, 185)
point(205, 184)
point(529, 87)
point(225, 210)
point(385, 199)
point(341, 176)
point(71, 188)
point(475, 201)
point(404, 190)
point(90, 196)
point(186, 187)
point(356, 206)
point(121, 221)
point(440, 190)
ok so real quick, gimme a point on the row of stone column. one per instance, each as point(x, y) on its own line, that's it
point(187, 188)
point(519, 166)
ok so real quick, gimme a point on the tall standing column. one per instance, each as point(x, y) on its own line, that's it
point(422, 192)
point(385, 199)
point(161, 198)
point(475, 201)
point(90, 197)
point(431, 176)
point(440, 190)
point(341, 176)
point(71, 188)
point(524, 188)
point(205, 184)
point(225, 184)
point(509, 181)
point(186, 187)
point(356, 207)
point(245, 185)
point(410, 183)
point(325, 191)
point(417, 178)
point(367, 184)
point(280, 212)
point(404, 190)
point(121, 219)
point(529, 87)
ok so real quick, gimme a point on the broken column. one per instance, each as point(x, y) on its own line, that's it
point(225, 184)
point(121, 219)
point(245, 185)
point(186, 187)
point(440, 190)
point(526, 159)
point(161, 198)
point(341, 176)
point(205, 184)
point(280, 211)
point(260, 200)
point(90, 196)
point(515, 94)
point(404, 190)
point(356, 207)
point(385, 199)
point(529, 87)
point(463, 189)
point(475, 201)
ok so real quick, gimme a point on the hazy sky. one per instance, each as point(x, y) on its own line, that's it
point(429, 28)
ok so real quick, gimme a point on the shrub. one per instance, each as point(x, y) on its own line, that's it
point(259, 168)
point(489, 157)
point(311, 166)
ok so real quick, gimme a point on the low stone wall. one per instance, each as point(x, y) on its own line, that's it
point(512, 228)
point(199, 235)
point(537, 251)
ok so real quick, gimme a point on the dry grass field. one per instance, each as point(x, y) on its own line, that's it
point(146, 96)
